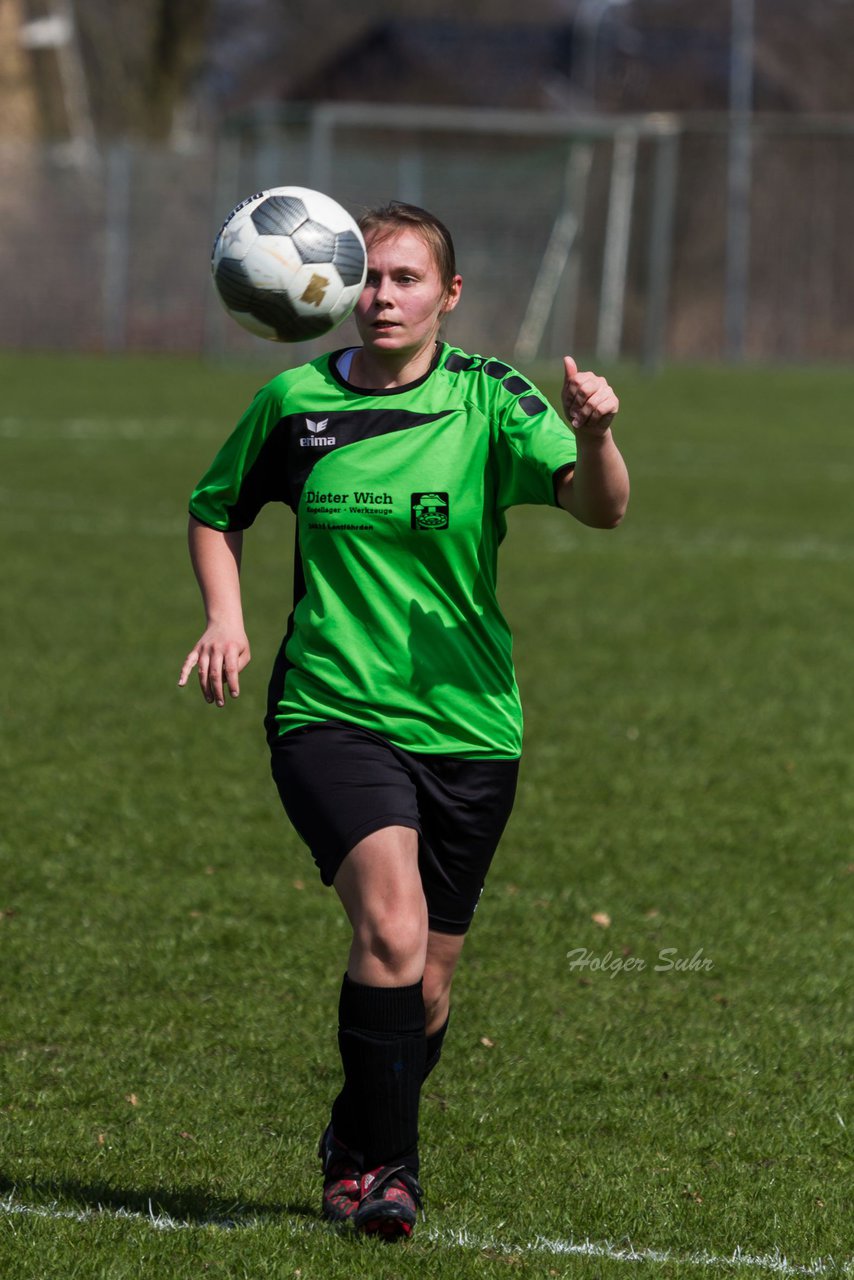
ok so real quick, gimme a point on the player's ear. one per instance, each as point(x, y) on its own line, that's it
point(454, 292)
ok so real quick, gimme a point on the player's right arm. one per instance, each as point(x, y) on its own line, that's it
point(222, 651)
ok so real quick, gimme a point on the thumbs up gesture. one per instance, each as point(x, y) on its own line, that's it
point(588, 401)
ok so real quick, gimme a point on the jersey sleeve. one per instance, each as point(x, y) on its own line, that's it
point(533, 443)
point(249, 470)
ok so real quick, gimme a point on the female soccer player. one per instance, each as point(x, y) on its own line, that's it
point(393, 713)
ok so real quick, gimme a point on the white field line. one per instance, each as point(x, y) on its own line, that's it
point(677, 465)
point(777, 1263)
point(106, 429)
point(39, 511)
point(705, 542)
point(96, 524)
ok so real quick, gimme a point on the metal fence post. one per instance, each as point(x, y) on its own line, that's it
point(616, 256)
point(553, 267)
point(117, 189)
point(739, 180)
point(659, 251)
point(322, 127)
point(226, 170)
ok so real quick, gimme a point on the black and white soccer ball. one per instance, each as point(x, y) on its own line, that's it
point(289, 264)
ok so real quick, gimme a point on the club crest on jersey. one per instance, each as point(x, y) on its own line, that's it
point(430, 510)
point(316, 440)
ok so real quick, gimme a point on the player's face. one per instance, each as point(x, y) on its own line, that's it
point(403, 301)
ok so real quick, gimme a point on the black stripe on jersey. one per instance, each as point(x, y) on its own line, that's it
point(265, 481)
point(282, 666)
point(461, 364)
point(516, 385)
point(532, 405)
point(288, 455)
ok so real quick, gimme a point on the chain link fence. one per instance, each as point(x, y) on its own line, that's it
point(606, 237)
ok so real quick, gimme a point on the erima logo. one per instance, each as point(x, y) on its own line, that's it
point(316, 440)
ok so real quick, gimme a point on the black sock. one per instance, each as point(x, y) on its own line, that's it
point(434, 1047)
point(382, 1043)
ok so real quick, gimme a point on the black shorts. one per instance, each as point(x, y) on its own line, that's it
point(339, 783)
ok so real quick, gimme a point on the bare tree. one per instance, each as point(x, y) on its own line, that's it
point(141, 59)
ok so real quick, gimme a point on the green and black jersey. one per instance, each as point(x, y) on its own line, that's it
point(400, 498)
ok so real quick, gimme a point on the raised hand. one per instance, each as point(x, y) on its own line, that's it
point(588, 400)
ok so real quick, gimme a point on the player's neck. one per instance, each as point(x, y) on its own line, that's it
point(380, 371)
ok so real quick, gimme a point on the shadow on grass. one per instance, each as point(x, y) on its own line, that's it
point(189, 1205)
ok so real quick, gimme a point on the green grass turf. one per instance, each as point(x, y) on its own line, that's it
point(170, 965)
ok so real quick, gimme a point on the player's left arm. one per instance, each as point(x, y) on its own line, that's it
point(596, 490)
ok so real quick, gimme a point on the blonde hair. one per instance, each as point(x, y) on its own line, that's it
point(387, 219)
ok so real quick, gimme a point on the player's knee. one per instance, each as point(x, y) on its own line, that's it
point(397, 941)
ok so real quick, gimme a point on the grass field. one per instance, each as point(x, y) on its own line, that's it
point(650, 1065)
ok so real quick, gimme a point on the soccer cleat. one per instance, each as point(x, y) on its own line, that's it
point(389, 1200)
point(342, 1171)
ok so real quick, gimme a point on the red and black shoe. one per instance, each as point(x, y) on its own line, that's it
point(389, 1200)
point(342, 1170)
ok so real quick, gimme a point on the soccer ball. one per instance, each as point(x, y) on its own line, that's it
point(289, 264)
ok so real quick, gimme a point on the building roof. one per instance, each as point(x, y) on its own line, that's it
point(634, 58)
point(457, 63)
